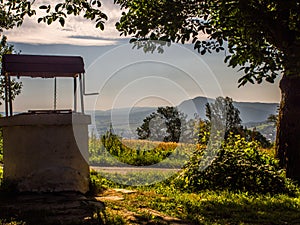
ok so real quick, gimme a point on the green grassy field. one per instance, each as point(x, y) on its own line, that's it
point(139, 152)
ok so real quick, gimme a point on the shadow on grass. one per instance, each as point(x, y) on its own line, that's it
point(240, 209)
point(50, 209)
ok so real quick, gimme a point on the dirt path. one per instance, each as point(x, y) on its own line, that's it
point(124, 170)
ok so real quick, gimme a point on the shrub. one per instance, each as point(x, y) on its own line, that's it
point(238, 166)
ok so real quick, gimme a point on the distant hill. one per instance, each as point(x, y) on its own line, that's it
point(126, 120)
point(249, 111)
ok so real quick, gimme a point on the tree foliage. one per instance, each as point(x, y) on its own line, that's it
point(16, 86)
point(222, 113)
point(273, 119)
point(89, 9)
point(166, 124)
point(13, 12)
point(258, 44)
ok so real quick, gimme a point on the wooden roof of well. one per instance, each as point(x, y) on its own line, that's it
point(42, 65)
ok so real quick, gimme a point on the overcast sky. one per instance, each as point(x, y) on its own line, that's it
point(126, 77)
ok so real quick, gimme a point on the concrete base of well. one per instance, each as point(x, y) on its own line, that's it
point(46, 152)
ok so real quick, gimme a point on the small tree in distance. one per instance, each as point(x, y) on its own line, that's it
point(223, 113)
point(166, 124)
point(273, 119)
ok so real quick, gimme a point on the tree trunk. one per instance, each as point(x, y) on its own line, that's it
point(288, 130)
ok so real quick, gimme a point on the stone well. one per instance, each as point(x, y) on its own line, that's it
point(46, 151)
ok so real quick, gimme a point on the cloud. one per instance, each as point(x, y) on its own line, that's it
point(77, 30)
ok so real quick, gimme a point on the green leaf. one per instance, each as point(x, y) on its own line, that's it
point(48, 9)
point(62, 21)
point(227, 58)
point(50, 20)
point(43, 7)
point(58, 6)
point(270, 79)
point(100, 25)
point(132, 40)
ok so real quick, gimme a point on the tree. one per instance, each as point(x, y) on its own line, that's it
point(202, 130)
point(263, 39)
point(223, 113)
point(16, 87)
point(272, 119)
point(166, 124)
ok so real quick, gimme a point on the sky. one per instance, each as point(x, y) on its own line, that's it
point(123, 76)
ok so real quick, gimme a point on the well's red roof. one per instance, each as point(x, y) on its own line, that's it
point(42, 65)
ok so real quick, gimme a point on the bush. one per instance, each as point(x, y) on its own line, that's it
point(238, 166)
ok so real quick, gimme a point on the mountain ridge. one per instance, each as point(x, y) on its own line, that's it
point(126, 120)
point(249, 111)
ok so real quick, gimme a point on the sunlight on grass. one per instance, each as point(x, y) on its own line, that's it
point(209, 207)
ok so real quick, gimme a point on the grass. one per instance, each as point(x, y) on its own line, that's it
point(161, 203)
point(138, 152)
point(154, 202)
point(206, 207)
